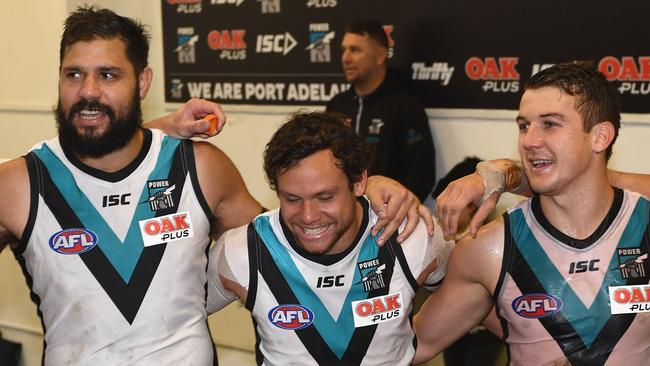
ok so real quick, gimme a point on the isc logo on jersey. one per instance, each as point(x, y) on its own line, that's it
point(629, 299)
point(377, 309)
point(291, 316)
point(166, 229)
point(73, 241)
point(534, 306)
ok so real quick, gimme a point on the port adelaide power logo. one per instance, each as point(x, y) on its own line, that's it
point(372, 276)
point(632, 263)
point(160, 195)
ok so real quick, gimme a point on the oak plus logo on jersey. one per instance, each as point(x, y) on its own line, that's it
point(632, 72)
point(275, 43)
point(270, 6)
point(166, 229)
point(499, 75)
point(629, 299)
point(632, 263)
point(291, 316)
point(438, 71)
point(73, 241)
point(320, 39)
point(535, 306)
point(230, 44)
point(186, 39)
point(186, 6)
point(377, 309)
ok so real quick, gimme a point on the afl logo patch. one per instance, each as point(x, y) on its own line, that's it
point(73, 241)
point(534, 306)
point(291, 316)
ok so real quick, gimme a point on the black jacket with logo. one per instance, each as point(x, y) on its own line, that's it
point(392, 121)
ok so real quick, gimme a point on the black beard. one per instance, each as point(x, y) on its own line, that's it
point(86, 144)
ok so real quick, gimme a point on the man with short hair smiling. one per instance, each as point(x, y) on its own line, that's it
point(552, 262)
point(320, 289)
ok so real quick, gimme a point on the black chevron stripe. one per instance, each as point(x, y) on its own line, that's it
point(127, 297)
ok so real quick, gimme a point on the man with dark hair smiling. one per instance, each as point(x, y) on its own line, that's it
point(320, 289)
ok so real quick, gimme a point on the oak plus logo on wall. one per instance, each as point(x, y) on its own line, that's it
point(185, 45)
point(632, 72)
point(321, 3)
point(320, 39)
point(186, 6)
point(230, 43)
point(498, 74)
point(226, 2)
point(275, 43)
point(437, 71)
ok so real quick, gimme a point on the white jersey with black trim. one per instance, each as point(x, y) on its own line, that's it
point(352, 308)
point(116, 262)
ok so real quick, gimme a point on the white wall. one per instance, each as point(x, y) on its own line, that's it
point(29, 78)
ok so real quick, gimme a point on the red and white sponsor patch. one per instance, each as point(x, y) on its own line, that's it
point(377, 309)
point(629, 299)
point(166, 229)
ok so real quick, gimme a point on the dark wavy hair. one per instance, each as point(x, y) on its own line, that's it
point(373, 29)
point(597, 100)
point(308, 133)
point(90, 23)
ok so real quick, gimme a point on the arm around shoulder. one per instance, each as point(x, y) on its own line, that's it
point(223, 189)
point(634, 182)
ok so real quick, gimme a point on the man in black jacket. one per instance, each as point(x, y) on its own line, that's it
point(381, 110)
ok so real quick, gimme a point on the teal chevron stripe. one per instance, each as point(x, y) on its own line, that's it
point(123, 256)
point(587, 322)
point(337, 333)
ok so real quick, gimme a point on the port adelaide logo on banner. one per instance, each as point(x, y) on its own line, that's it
point(185, 45)
point(320, 39)
point(632, 263)
point(176, 88)
point(372, 277)
point(186, 6)
point(160, 195)
point(270, 6)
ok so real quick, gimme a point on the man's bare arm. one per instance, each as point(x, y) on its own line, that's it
point(393, 203)
point(188, 120)
point(14, 201)
point(470, 190)
point(463, 300)
point(224, 189)
point(634, 182)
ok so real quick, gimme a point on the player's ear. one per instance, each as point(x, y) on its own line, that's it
point(144, 81)
point(360, 187)
point(602, 135)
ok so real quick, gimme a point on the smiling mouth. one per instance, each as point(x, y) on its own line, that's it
point(315, 231)
point(90, 114)
point(540, 163)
